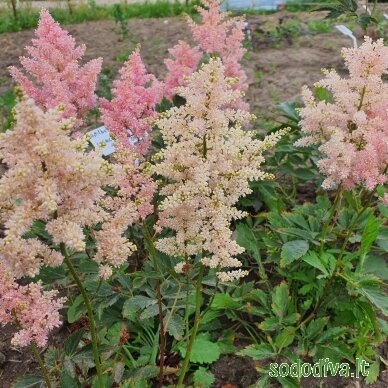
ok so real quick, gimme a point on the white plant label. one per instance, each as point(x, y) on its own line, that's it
point(100, 136)
point(345, 31)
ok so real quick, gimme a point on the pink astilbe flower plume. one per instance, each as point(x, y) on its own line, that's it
point(52, 178)
point(56, 76)
point(208, 162)
point(33, 311)
point(129, 115)
point(220, 34)
point(183, 63)
point(216, 34)
point(352, 130)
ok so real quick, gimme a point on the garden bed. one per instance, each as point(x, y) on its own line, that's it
point(285, 53)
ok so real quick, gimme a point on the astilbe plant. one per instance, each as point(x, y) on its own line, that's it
point(216, 35)
point(208, 160)
point(32, 310)
point(352, 128)
point(49, 178)
point(52, 73)
point(128, 117)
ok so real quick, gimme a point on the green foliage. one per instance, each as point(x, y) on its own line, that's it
point(118, 15)
point(316, 287)
point(28, 17)
point(203, 378)
point(319, 26)
point(7, 102)
point(304, 5)
point(293, 250)
point(29, 381)
point(365, 18)
point(204, 351)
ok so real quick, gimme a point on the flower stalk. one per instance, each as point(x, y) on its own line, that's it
point(42, 367)
point(194, 331)
point(92, 323)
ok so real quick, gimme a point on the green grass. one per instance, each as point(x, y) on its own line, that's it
point(28, 18)
point(7, 102)
point(305, 5)
point(320, 26)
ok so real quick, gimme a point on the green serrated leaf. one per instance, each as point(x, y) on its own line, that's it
point(323, 94)
point(258, 352)
point(203, 378)
point(369, 235)
point(246, 238)
point(289, 110)
point(263, 381)
point(68, 381)
point(151, 311)
point(373, 372)
point(330, 334)
point(258, 295)
point(280, 300)
point(269, 324)
point(293, 250)
point(316, 261)
point(175, 326)
point(76, 310)
point(135, 304)
point(285, 338)
point(315, 327)
point(269, 196)
point(72, 341)
point(288, 382)
point(305, 289)
point(225, 301)
point(377, 297)
point(29, 381)
point(203, 351)
point(291, 319)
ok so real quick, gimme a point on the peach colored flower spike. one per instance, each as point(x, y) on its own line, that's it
point(352, 129)
point(56, 77)
point(208, 162)
point(51, 178)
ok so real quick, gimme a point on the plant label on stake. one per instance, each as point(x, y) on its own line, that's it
point(345, 31)
point(101, 135)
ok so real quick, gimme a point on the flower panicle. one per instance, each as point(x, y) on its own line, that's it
point(350, 128)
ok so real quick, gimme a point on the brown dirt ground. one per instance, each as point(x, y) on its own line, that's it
point(285, 69)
